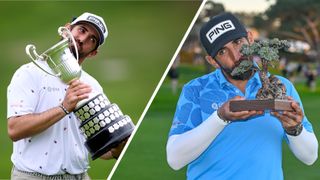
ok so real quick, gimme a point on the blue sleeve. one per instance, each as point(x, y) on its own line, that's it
point(188, 112)
point(291, 91)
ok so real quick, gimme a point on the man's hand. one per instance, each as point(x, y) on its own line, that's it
point(114, 152)
point(76, 92)
point(290, 119)
point(225, 113)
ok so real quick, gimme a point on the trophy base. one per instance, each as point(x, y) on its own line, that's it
point(260, 105)
point(103, 125)
point(104, 141)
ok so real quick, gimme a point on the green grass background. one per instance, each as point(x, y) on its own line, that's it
point(146, 155)
point(143, 36)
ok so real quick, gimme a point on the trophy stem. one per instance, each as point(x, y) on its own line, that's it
point(263, 74)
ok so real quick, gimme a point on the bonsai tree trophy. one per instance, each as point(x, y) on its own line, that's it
point(272, 94)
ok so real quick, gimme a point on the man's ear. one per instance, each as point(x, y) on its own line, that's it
point(68, 25)
point(212, 61)
point(250, 37)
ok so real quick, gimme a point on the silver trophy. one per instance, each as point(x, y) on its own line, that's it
point(59, 57)
point(101, 122)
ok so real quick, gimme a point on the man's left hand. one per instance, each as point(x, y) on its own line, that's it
point(114, 152)
point(290, 119)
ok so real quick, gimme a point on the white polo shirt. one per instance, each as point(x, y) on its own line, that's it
point(60, 148)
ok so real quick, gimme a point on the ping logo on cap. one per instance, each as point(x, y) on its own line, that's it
point(219, 29)
point(97, 22)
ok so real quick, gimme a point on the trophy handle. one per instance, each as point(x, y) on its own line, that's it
point(31, 52)
point(69, 35)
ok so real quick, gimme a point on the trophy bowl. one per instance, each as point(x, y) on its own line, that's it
point(59, 58)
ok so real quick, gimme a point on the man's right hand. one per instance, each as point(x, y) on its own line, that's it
point(76, 92)
point(225, 113)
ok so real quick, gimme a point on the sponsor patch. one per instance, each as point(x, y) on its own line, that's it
point(97, 22)
point(219, 29)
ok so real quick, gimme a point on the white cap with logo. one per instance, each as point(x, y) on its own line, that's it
point(96, 21)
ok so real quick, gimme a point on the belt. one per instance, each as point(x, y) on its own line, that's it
point(54, 177)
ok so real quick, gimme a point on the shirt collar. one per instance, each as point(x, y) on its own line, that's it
point(220, 76)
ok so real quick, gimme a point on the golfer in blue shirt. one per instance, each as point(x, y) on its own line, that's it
point(216, 143)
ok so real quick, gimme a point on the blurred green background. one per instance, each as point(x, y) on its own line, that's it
point(143, 36)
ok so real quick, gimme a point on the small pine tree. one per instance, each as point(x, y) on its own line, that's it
point(268, 51)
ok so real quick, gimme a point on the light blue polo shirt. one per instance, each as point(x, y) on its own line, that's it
point(248, 149)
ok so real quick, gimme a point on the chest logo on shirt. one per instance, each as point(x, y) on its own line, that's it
point(215, 106)
point(52, 89)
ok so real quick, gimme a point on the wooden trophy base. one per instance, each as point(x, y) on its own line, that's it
point(260, 105)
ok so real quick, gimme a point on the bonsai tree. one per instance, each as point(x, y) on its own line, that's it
point(268, 51)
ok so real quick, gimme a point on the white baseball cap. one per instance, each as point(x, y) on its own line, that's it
point(96, 21)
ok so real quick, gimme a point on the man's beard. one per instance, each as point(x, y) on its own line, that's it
point(73, 50)
point(239, 76)
point(243, 76)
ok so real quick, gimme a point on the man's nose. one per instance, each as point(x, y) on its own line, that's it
point(81, 39)
point(235, 54)
point(78, 41)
